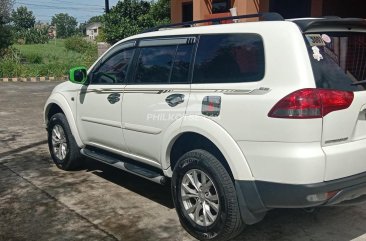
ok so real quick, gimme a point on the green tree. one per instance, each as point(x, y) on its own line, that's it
point(101, 36)
point(130, 17)
point(95, 19)
point(22, 18)
point(82, 28)
point(5, 33)
point(160, 11)
point(125, 19)
point(32, 35)
point(65, 25)
point(5, 10)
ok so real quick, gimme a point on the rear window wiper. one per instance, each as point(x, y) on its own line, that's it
point(361, 82)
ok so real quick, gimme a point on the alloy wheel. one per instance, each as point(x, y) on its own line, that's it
point(59, 142)
point(200, 197)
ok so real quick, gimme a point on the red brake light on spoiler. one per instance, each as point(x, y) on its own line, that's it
point(311, 103)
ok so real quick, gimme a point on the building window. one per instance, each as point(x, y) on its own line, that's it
point(220, 6)
point(187, 11)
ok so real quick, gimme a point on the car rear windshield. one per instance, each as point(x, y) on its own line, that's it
point(338, 60)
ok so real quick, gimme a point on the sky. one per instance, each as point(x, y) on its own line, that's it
point(82, 10)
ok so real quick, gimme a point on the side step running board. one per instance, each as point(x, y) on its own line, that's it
point(112, 160)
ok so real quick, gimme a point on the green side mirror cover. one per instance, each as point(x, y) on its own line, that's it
point(78, 75)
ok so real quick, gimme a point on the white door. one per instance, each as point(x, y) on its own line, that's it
point(99, 106)
point(158, 94)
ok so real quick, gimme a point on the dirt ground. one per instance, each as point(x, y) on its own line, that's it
point(40, 202)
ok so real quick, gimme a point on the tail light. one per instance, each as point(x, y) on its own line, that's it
point(311, 103)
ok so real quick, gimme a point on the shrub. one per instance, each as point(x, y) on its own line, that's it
point(80, 45)
point(101, 36)
point(9, 68)
point(5, 37)
point(51, 59)
point(34, 58)
point(32, 36)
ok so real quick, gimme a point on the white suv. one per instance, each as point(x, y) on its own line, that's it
point(242, 117)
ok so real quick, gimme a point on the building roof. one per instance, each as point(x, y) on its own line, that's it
point(93, 25)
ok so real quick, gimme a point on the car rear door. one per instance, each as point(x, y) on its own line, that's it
point(339, 63)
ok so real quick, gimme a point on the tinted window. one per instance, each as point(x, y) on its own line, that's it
point(181, 64)
point(114, 69)
point(154, 64)
point(220, 6)
point(229, 58)
point(338, 59)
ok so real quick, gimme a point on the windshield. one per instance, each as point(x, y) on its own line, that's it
point(338, 60)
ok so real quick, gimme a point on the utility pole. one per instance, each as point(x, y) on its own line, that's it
point(106, 6)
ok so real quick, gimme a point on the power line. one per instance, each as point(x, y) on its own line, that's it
point(58, 2)
point(68, 2)
point(41, 5)
point(47, 11)
point(58, 7)
point(52, 15)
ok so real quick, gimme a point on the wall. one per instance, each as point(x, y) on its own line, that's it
point(314, 8)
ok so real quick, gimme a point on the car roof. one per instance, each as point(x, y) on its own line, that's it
point(205, 29)
point(304, 24)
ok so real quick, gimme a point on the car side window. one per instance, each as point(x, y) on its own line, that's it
point(229, 58)
point(114, 69)
point(154, 64)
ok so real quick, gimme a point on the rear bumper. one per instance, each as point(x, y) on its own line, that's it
point(284, 162)
point(256, 197)
point(345, 159)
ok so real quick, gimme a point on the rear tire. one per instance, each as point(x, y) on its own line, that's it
point(64, 151)
point(201, 182)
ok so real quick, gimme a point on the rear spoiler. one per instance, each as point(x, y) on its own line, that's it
point(331, 24)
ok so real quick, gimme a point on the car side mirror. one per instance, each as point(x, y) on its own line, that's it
point(78, 75)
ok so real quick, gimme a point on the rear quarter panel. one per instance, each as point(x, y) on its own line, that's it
point(245, 116)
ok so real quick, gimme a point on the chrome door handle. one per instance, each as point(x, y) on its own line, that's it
point(114, 98)
point(174, 99)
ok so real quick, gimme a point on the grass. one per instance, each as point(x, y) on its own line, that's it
point(51, 59)
point(50, 52)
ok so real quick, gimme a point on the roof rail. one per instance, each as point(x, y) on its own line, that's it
point(268, 16)
point(332, 17)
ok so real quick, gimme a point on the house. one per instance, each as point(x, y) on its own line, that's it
point(92, 30)
point(188, 10)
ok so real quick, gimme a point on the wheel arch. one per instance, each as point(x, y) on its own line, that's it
point(208, 134)
point(52, 109)
point(58, 104)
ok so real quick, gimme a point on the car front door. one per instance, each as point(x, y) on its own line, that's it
point(99, 103)
point(157, 95)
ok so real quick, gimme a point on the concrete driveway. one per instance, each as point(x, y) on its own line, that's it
point(40, 202)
